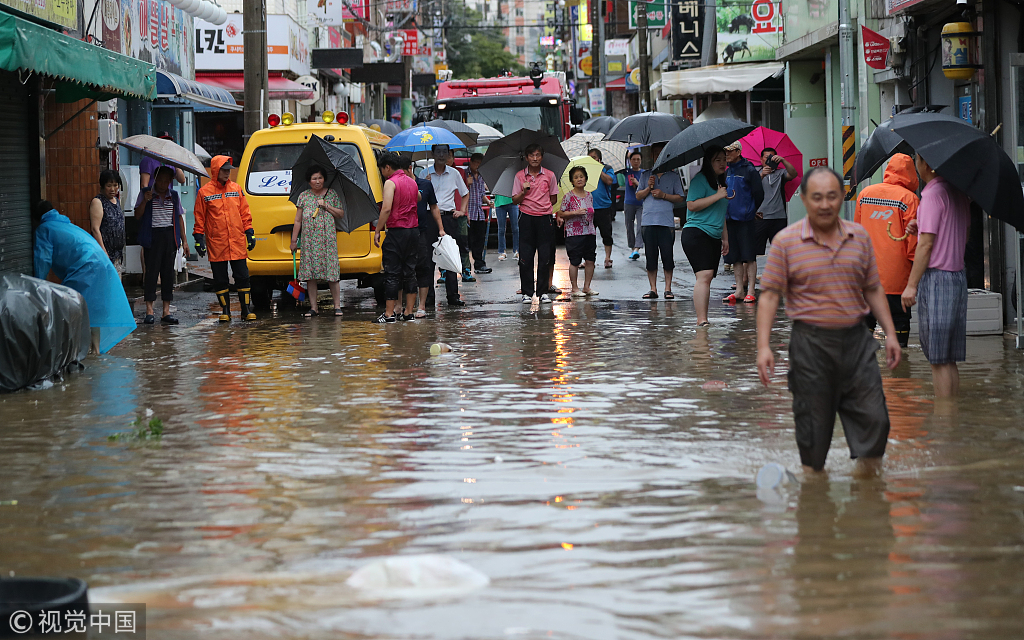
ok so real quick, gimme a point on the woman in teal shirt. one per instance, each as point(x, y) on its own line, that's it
point(704, 237)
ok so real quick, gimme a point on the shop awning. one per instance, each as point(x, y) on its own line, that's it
point(616, 85)
point(280, 88)
point(85, 70)
point(720, 78)
point(203, 97)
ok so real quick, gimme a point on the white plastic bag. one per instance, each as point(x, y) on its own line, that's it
point(446, 254)
point(179, 260)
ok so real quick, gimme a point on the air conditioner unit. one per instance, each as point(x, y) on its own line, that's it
point(109, 133)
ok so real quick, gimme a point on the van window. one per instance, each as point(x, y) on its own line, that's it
point(270, 168)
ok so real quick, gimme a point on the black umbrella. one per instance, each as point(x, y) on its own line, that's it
point(464, 132)
point(883, 143)
point(647, 128)
point(506, 156)
point(345, 176)
point(969, 159)
point(600, 124)
point(386, 127)
point(691, 144)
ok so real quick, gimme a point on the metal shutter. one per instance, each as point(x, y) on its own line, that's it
point(15, 183)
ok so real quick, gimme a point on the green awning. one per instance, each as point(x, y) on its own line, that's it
point(85, 70)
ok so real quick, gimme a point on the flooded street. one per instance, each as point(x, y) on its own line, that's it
point(574, 455)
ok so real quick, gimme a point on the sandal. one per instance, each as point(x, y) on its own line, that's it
point(607, 264)
point(749, 299)
point(337, 313)
point(421, 313)
point(650, 295)
point(730, 299)
point(669, 295)
point(591, 293)
point(704, 324)
point(312, 313)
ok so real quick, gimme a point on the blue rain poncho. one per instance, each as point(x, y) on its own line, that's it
point(80, 263)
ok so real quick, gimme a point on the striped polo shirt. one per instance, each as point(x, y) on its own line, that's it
point(163, 211)
point(823, 285)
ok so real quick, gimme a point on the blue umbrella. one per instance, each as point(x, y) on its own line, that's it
point(419, 140)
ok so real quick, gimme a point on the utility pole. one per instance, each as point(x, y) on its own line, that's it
point(645, 62)
point(846, 92)
point(254, 65)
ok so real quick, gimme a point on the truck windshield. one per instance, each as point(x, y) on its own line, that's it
point(512, 118)
point(270, 167)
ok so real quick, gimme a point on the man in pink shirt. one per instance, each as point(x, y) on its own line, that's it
point(399, 217)
point(938, 280)
point(535, 190)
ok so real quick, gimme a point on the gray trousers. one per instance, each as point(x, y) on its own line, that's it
point(634, 218)
point(835, 371)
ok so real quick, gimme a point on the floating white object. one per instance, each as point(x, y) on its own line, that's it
point(421, 576)
point(439, 347)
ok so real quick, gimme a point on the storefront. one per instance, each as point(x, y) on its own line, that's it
point(42, 66)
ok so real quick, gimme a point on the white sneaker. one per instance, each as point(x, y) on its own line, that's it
point(515, 256)
point(527, 299)
point(502, 256)
point(545, 298)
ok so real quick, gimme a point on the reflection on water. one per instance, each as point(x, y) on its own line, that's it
point(575, 455)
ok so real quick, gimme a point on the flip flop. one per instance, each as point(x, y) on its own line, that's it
point(312, 313)
point(591, 293)
point(669, 295)
point(730, 299)
point(650, 295)
point(578, 294)
point(750, 299)
point(337, 313)
point(607, 264)
point(704, 324)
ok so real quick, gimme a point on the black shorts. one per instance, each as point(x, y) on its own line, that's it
point(580, 248)
point(703, 251)
point(742, 235)
point(764, 231)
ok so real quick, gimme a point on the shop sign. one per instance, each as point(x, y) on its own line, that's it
point(748, 32)
point(400, 6)
point(596, 97)
point(62, 12)
point(687, 30)
point(326, 12)
point(876, 48)
point(412, 46)
point(618, 47)
point(657, 14)
point(817, 162)
point(149, 30)
point(313, 84)
point(219, 47)
point(895, 6)
point(965, 109)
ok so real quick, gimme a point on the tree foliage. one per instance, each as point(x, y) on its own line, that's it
point(476, 53)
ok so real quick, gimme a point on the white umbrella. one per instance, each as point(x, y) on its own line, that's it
point(488, 134)
point(202, 153)
point(167, 152)
point(612, 153)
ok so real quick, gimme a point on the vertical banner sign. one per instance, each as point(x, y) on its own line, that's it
point(748, 31)
point(687, 26)
point(876, 48)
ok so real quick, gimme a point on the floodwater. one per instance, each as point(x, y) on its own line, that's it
point(575, 456)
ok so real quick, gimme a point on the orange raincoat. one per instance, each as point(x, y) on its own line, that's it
point(885, 210)
point(222, 215)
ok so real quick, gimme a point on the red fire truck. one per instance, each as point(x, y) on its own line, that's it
point(540, 102)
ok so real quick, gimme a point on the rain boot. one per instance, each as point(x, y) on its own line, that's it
point(244, 303)
point(225, 305)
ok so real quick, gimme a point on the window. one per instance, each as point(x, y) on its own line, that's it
point(270, 167)
point(511, 119)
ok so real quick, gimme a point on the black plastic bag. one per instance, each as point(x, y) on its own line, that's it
point(44, 330)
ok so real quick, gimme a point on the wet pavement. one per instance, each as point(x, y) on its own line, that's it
point(574, 454)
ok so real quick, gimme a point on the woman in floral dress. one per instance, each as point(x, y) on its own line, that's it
point(316, 211)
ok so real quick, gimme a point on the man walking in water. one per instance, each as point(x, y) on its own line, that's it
point(825, 268)
point(535, 190)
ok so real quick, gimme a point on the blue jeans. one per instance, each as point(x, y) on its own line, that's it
point(510, 211)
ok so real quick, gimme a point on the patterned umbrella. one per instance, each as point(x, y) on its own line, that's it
point(612, 152)
point(760, 139)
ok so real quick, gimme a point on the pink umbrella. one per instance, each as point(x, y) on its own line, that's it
point(761, 138)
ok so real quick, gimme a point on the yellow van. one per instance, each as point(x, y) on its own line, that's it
point(265, 176)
